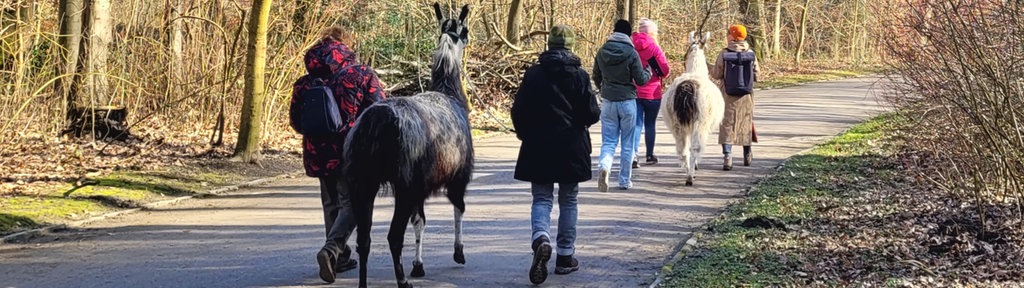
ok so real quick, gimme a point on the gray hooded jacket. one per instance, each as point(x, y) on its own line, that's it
point(617, 68)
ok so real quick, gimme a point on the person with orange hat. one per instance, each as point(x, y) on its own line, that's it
point(736, 69)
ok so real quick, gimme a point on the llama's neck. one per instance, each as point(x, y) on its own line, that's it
point(447, 79)
point(696, 65)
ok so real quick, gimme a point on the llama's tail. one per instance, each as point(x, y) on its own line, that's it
point(685, 102)
point(372, 145)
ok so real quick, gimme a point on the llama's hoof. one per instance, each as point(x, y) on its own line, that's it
point(459, 257)
point(417, 270)
point(405, 285)
point(689, 182)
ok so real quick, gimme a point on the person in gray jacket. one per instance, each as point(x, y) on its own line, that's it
point(617, 71)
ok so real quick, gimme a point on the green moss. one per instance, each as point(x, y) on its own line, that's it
point(24, 212)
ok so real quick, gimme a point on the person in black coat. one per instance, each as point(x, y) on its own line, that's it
point(552, 111)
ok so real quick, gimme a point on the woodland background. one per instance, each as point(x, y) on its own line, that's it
point(177, 68)
point(139, 100)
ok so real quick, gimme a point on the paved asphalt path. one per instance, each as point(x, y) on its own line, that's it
point(267, 236)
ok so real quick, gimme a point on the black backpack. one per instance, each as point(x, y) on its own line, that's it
point(739, 72)
point(320, 114)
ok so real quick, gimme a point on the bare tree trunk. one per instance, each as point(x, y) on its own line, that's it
point(26, 18)
point(856, 28)
point(512, 27)
point(70, 40)
point(751, 11)
point(803, 32)
point(633, 13)
point(248, 147)
point(175, 42)
point(777, 32)
point(98, 43)
point(621, 10)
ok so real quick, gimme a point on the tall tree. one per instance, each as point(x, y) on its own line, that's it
point(512, 27)
point(803, 31)
point(777, 31)
point(98, 48)
point(70, 40)
point(634, 12)
point(751, 12)
point(26, 39)
point(248, 147)
point(621, 9)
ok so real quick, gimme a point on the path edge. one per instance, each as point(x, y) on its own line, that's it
point(25, 236)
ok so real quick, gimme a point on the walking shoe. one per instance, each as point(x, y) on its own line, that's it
point(345, 264)
point(345, 261)
point(651, 160)
point(602, 180)
point(747, 158)
point(541, 255)
point(728, 164)
point(636, 162)
point(326, 260)
point(566, 264)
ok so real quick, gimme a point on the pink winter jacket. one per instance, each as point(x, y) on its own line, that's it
point(646, 47)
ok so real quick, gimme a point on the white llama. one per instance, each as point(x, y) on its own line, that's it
point(693, 105)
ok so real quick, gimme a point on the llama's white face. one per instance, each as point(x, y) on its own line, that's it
point(697, 46)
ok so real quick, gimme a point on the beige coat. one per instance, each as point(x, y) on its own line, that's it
point(738, 125)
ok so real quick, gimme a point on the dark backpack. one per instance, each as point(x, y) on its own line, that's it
point(739, 72)
point(320, 114)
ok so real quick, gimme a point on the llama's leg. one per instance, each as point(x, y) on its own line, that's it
point(680, 148)
point(363, 195)
point(687, 136)
point(406, 202)
point(456, 195)
point(699, 137)
point(419, 223)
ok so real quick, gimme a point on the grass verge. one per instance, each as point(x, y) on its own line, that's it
point(35, 205)
point(749, 245)
point(791, 76)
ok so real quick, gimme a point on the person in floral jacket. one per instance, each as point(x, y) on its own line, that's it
point(355, 88)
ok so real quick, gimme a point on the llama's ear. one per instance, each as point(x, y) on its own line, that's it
point(464, 35)
point(464, 13)
point(692, 33)
point(437, 12)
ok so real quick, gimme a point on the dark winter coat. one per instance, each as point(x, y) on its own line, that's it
point(552, 110)
point(355, 87)
point(617, 69)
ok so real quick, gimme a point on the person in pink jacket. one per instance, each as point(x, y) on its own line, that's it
point(648, 98)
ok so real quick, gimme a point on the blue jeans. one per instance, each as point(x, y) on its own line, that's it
point(540, 214)
point(646, 118)
point(618, 121)
point(727, 150)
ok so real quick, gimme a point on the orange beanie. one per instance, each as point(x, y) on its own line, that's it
point(738, 32)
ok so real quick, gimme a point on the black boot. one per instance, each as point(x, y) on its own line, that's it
point(345, 261)
point(541, 255)
point(326, 259)
point(747, 156)
point(566, 264)
point(651, 160)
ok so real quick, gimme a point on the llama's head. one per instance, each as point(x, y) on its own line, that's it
point(446, 70)
point(454, 31)
point(695, 57)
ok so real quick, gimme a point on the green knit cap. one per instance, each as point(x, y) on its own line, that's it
point(561, 36)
